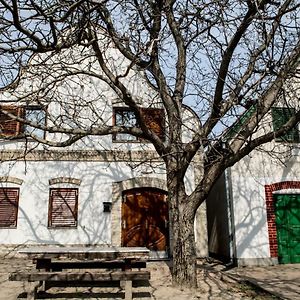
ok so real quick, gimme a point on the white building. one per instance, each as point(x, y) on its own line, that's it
point(108, 189)
point(258, 200)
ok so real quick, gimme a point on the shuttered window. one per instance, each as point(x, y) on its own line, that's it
point(63, 207)
point(280, 116)
point(154, 119)
point(9, 126)
point(9, 200)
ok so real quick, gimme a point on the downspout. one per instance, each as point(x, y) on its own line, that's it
point(230, 212)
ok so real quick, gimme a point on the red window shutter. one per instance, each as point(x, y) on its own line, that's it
point(9, 126)
point(63, 207)
point(154, 118)
point(9, 199)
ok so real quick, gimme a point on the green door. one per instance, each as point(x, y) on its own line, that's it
point(287, 212)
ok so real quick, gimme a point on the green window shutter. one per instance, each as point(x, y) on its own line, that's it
point(280, 115)
point(240, 122)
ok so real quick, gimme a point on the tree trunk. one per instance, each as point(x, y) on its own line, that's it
point(184, 254)
point(183, 238)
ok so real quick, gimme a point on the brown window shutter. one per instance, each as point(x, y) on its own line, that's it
point(154, 119)
point(63, 207)
point(9, 199)
point(9, 126)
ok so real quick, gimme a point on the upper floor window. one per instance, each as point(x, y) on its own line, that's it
point(63, 207)
point(35, 114)
point(9, 126)
point(124, 116)
point(280, 115)
point(9, 200)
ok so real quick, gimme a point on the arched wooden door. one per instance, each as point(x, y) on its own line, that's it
point(145, 219)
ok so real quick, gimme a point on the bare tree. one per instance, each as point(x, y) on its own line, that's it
point(218, 57)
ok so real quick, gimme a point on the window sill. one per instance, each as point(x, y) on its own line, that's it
point(63, 227)
point(2, 227)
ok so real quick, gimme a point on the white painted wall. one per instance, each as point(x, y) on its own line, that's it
point(248, 194)
point(96, 187)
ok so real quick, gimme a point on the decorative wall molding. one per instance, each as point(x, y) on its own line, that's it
point(70, 180)
point(10, 179)
point(80, 155)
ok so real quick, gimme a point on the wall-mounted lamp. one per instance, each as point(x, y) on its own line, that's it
point(107, 207)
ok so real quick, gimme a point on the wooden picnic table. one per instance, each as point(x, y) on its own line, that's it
point(50, 261)
point(86, 253)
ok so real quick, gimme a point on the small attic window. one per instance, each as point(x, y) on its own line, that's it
point(9, 126)
point(35, 114)
point(281, 115)
point(124, 116)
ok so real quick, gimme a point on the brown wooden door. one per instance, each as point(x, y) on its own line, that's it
point(145, 219)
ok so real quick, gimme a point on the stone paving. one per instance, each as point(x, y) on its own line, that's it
point(281, 280)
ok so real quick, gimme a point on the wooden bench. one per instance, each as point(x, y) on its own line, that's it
point(36, 279)
point(49, 265)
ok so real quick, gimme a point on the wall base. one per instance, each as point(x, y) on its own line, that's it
point(265, 261)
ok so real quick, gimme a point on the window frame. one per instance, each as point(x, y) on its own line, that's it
point(35, 108)
point(21, 113)
point(16, 206)
point(293, 135)
point(50, 210)
point(144, 110)
point(114, 136)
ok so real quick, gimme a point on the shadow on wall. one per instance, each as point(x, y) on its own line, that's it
point(94, 225)
point(249, 236)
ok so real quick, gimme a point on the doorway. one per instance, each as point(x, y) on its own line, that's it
point(287, 213)
point(145, 220)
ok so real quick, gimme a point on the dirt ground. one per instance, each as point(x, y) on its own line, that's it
point(213, 284)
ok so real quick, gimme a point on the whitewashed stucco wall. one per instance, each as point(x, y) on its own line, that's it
point(248, 178)
point(95, 188)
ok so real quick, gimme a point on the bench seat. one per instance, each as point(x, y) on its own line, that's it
point(35, 278)
point(48, 265)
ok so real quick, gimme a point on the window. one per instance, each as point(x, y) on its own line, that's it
point(11, 127)
point(63, 207)
point(37, 115)
point(123, 116)
point(280, 116)
point(9, 200)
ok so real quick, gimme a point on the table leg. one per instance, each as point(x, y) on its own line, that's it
point(32, 289)
point(128, 290)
